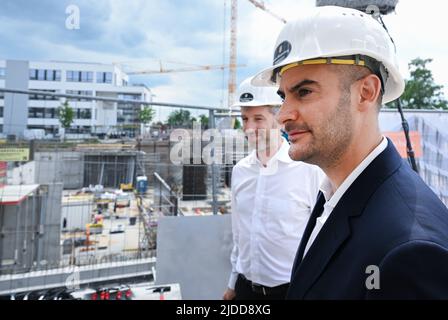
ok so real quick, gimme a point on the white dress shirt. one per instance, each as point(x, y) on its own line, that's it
point(332, 197)
point(270, 208)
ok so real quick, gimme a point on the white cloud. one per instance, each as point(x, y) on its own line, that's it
point(419, 30)
point(192, 32)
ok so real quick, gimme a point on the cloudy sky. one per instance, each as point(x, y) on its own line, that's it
point(139, 33)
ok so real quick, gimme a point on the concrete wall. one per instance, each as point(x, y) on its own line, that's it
point(77, 214)
point(66, 167)
point(19, 234)
point(15, 113)
point(51, 216)
point(110, 169)
point(31, 231)
point(72, 170)
point(195, 252)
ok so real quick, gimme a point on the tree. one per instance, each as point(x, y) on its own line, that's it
point(145, 115)
point(179, 118)
point(204, 121)
point(65, 115)
point(237, 124)
point(421, 92)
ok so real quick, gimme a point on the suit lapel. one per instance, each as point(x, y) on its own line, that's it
point(317, 211)
point(332, 235)
point(336, 229)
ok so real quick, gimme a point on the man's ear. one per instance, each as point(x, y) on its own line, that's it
point(369, 91)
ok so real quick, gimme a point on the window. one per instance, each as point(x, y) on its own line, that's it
point(86, 76)
point(86, 114)
point(2, 73)
point(36, 113)
point(50, 113)
point(104, 77)
point(1, 112)
point(79, 76)
point(71, 76)
point(129, 96)
point(45, 75)
point(33, 74)
point(43, 97)
point(79, 92)
point(78, 129)
point(83, 114)
point(55, 75)
point(108, 77)
point(41, 74)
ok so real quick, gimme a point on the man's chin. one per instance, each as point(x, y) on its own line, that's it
point(297, 153)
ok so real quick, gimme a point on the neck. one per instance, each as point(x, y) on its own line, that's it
point(267, 153)
point(358, 150)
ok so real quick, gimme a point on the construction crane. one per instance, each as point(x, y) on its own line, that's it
point(231, 87)
point(260, 4)
point(185, 69)
point(233, 44)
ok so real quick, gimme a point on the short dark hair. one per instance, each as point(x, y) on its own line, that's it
point(351, 74)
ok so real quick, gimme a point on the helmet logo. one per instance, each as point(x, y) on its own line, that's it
point(281, 52)
point(246, 97)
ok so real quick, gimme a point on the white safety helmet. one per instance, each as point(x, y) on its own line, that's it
point(255, 96)
point(336, 35)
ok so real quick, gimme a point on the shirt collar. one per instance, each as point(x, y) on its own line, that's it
point(333, 198)
point(281, 155)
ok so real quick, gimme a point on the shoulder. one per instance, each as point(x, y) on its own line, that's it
point(246, 162)
point(405, 190)
point(404, 208)
point(416, 269)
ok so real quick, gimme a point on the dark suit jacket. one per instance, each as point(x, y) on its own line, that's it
point(388, 218)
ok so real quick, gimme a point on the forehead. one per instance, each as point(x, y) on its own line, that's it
point(323, 75)
point(253, 111)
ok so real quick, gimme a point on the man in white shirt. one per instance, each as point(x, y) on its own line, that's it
point(272, 198)
point(377, 231)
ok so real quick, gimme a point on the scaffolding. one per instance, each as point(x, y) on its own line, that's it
point(84, 170)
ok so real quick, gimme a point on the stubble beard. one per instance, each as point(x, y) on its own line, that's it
point(328, 143)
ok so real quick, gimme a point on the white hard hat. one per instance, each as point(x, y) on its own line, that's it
point(347, 36)
point(255, 96)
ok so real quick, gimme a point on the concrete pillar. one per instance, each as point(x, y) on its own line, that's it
point(15, 114)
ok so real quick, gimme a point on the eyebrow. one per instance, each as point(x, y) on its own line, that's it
point(297, 86)
point(255, 115)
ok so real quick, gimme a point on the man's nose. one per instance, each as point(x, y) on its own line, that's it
point(249, 125)
point(286, 113)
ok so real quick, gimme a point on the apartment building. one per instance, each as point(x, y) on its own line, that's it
point(87, 79)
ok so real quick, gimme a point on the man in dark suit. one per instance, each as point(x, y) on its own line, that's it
point(377, 231)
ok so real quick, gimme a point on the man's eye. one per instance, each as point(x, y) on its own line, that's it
point(303, 92)
point(282, 97)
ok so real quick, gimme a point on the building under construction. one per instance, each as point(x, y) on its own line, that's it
point(106, 208)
